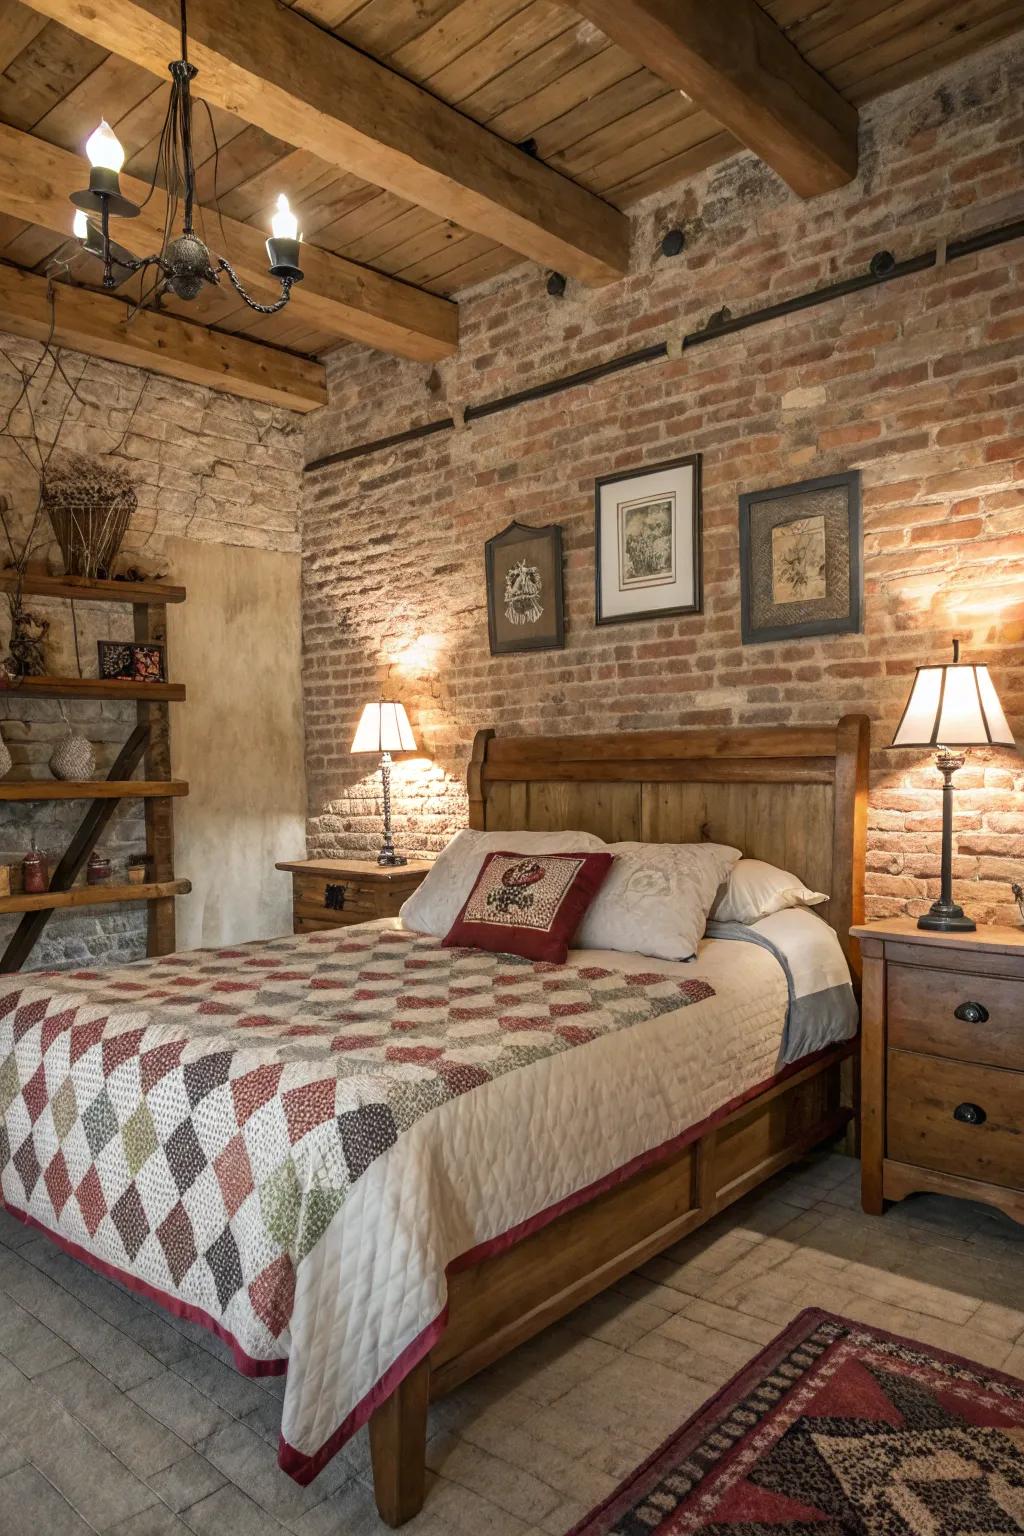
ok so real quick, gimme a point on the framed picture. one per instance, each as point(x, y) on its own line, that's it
point(524, 589)
point(132, 661)
point(647, 542)
point(801, 571)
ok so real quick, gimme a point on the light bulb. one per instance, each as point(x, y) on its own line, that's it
point(104, 148)
point(80, 227)
point(284, 223)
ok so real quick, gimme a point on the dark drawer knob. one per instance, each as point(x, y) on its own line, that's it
point(334, 898)
point(970, 1114)
point(971, 1013)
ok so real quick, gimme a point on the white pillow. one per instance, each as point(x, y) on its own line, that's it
point(755, 890)
point(655, 898)
point(434, 905)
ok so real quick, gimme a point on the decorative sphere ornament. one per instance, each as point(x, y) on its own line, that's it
point(5, 758)
point(189, 263)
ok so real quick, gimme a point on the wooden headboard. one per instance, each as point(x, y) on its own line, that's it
point(795, 796)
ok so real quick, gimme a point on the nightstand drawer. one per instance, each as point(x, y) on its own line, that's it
point(956, 1117)
point(923, 1007)
point(335, 901)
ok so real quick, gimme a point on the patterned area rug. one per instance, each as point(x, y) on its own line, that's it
point(836, 1429)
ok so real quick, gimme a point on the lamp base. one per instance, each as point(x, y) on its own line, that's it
point(943, 918)
point(389, 859)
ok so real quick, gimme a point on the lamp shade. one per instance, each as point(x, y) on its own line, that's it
point(384, 727)
point(953, 706)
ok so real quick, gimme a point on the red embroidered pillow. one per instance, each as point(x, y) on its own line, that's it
point(529, 904)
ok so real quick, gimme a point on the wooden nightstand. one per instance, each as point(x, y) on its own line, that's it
point(328, 893)
point(942, 1064)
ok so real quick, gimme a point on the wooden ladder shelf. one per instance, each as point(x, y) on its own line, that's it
point(149, 744)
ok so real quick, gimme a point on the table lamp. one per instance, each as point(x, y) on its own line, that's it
point(384, 728)
point(951, 706)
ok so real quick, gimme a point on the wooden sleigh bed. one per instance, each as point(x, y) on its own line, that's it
point(796, 797)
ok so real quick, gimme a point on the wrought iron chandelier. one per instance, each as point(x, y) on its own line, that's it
point(184, 263)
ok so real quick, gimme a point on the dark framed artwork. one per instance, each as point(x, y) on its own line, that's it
point(801, 567)
point(132, 661)
point(647, 542)
point(525, 609)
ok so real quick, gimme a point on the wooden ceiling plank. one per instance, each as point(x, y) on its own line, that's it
point(869, 33)
point(477, 269)
point(602, 111)
point(430, 242)
point(551, 62)
point(268, 66)
point(815, 33)
point(588, 156)
point(675, 165)
point(43, 73)
point(519, 38)
point(453, 34)
point(36, 180)
point(98, 326)
point(936, 54)
point(577, 86)
point(114, 81)
point(381, 27)
point(650, 152)
point(927, 25)
point(409, 226)
point(734, 60)
point(18, 28)
point(432, 269)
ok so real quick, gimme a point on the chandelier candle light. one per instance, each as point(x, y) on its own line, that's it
point(384, 728)
point(184, 262)
point(951, 706)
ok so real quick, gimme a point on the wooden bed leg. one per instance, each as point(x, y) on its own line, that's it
point(398, 1447)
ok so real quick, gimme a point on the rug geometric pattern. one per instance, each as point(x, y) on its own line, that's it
point(837, 1429)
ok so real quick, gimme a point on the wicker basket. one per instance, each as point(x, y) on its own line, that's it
point(90, 503)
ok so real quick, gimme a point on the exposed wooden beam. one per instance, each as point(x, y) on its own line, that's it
point(272, 67)
point(339, 296)
point(734, 61)
point(98, 325)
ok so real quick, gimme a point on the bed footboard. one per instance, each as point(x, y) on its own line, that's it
point(497, 1304)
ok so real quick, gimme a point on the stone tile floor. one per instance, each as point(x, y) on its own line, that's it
point(117, 1419)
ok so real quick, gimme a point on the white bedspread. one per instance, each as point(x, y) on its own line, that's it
point(488, 1161)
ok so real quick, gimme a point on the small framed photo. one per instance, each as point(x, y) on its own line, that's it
point(132, 661)
point(801, 571)
point(525, 610)
point(647, 539)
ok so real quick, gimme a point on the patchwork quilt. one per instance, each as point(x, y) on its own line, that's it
point(204, 1123)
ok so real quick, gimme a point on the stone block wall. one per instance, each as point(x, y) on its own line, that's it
point(208, 467)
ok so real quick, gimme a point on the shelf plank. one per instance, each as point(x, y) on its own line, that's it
point(93, 688)
point(91, 789)
point(94, 896)
point(40, 584)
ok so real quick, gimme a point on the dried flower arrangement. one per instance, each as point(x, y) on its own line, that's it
point(90, 502)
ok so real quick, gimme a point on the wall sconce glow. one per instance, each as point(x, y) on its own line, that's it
point(104, 148)
point(284, 223)
point(80, 224)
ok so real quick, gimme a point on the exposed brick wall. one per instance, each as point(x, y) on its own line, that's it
point(919, 384)
point(207, 466)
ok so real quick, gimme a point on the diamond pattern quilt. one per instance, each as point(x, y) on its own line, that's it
point(199, 1124)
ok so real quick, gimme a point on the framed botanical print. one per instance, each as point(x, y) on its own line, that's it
point(525, 609)
point(647, 542)
point(801, 571)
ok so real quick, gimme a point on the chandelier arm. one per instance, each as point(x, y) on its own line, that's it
point(261, 309)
